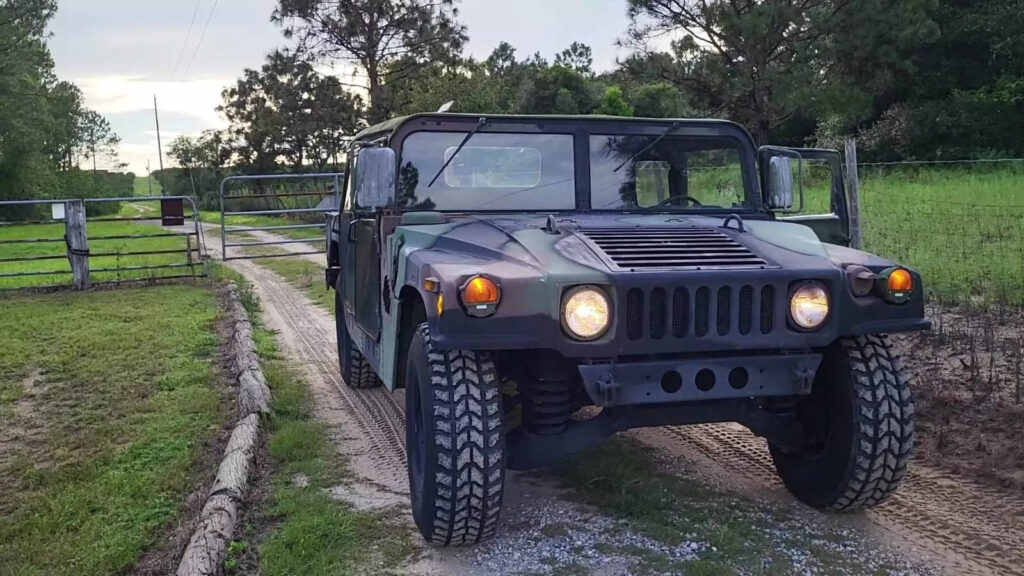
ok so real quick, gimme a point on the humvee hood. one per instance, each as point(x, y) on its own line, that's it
point(526, 240)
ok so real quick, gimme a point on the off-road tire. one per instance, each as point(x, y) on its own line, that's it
point(455, 442)
point(355, 370)
point(869, 419)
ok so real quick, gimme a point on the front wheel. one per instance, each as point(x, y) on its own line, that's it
point(355, 370)
point(862, 415)
point(455, 442)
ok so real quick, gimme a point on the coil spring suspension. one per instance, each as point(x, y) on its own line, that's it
point(548, 406)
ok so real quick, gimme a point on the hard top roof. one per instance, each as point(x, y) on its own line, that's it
point(393, 124)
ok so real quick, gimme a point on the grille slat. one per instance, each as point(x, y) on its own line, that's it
point(767, 309)
point(659, 313)
point(724, 306)
point(707, 311)
point(700, 312)
point(634, 314)
point(680, 312)
point(676, 248)
point(746, 317)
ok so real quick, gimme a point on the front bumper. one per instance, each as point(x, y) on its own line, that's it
point(692, 380)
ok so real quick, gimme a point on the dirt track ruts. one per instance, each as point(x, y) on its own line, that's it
point(966, 527)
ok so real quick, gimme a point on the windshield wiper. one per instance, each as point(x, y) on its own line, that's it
point(480, 124)
point(669, 130)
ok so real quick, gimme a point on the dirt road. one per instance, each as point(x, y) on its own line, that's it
point(960, 527)
point(963, 526)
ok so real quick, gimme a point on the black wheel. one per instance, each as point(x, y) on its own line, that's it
point(455, 442)
point(355, 370)
point(863, 416)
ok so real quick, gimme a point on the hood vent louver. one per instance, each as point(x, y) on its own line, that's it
point(672, 248)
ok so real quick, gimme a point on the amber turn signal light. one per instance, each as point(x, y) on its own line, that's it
point(896, 285)
point(900, 280)
point(480, 290)
point(480, 296)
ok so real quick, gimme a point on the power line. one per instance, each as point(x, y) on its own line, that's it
point(202, 36)
point(188, 36)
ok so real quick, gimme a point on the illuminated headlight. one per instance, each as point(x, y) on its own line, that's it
point(808, 307)
point(585, 313)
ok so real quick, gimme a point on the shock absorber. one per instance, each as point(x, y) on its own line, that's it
point(547, 406)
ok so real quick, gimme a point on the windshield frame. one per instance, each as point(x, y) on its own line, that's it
point(582, 128)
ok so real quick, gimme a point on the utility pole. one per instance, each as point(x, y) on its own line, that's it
point(159, 146)
point(149, 176)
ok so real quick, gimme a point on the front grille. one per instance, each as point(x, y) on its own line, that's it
point(723, 310)
point(672, 248)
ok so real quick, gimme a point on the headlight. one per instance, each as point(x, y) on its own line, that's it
point(585, 313)
point(808, 307)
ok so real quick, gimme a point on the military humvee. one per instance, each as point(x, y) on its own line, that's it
point(537, 284)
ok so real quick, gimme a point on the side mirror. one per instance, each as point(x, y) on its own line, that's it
point(780, 183)
point(375, 178)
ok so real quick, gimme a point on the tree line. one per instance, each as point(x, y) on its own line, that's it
point(47, 133)
point(911, 79)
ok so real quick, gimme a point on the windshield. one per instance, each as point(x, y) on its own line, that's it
point(493, 171)
point(675, 173)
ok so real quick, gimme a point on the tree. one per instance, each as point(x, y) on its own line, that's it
point(765, 63)
point(287, 112)
point(386, 40)
point(614, 103)
point(578, 57)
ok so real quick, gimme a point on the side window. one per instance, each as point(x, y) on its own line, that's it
point(817, 178)
point(350, 180)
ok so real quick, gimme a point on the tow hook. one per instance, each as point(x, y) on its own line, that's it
point(803, 376)
point(609, 390)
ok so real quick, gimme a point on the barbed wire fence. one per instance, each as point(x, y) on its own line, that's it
point(961, 224)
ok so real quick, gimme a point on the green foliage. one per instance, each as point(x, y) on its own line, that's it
point(614, 103)
point(111, 392)
point(45, 128)
point(385, 39)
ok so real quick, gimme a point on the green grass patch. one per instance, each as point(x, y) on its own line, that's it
point(96, 230)
point(316, 235)
point(962, 227)
point(623, 478)
point(299, 272)
point(309, 531)
point(108, 397)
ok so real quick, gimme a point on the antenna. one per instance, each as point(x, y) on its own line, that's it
point(446, 107)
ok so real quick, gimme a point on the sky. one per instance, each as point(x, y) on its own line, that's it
point(122, 52)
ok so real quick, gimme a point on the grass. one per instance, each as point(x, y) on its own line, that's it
point(622, 478)
point(308, 531)
point(109, 400)
point(250, 221)
point(961, 227)
point(96, 246)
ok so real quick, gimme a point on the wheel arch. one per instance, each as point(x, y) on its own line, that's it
point(412, 311)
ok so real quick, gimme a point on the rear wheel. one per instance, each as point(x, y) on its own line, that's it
point(355, 370)
point(862, 414)
point(455, 442)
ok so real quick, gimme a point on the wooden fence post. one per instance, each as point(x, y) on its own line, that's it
point(853, 193)
point(77, 243)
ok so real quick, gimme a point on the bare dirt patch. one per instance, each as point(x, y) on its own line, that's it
point(969, 390)
point(25, 428)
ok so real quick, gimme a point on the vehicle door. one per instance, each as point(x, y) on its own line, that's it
point(372, 182)
point(820, 198)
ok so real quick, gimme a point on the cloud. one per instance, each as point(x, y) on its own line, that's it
point(117, 94)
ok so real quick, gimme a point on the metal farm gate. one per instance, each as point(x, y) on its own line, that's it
point(57, 251)
point(269, 219)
